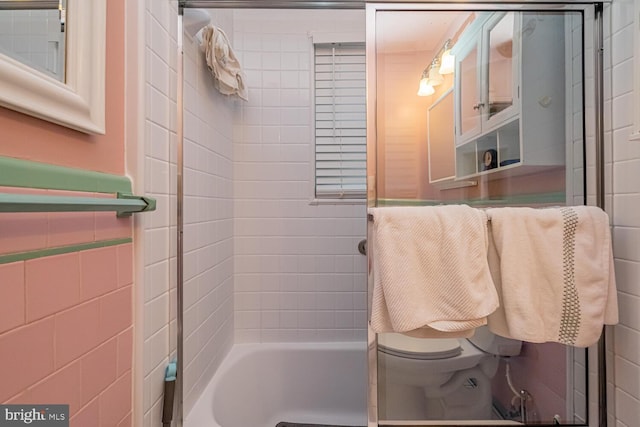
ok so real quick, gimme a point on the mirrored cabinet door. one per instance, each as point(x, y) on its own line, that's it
point(469, 103)
point(500, 65)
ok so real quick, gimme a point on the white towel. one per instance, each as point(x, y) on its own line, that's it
point(223, 63)
point(431, 276)
point(554, 272)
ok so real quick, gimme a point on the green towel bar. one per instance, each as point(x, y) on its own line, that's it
point(123, 205)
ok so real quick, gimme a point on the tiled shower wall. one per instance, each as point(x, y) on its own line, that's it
point(208, 244)
point(208, 219)
point(624, 374)
point(298, 275)
point(159, 235)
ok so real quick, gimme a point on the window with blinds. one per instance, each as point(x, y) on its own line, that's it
point(340, 108)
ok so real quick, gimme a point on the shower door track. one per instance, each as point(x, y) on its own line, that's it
point(345, 4)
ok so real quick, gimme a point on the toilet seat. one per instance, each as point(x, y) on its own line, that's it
point(418, 348)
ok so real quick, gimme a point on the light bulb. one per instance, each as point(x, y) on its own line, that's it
point(425, 88)
point(435, 78)
point(448, 62)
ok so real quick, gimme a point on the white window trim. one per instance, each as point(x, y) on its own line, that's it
point(313, 39)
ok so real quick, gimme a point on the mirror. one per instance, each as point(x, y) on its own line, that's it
point(52, 61)
point(34, 34)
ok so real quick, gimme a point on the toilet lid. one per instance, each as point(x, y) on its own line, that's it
point(418, 348)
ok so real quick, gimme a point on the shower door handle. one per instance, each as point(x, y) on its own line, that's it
point(362, 246)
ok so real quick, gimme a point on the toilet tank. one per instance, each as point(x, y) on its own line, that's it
point(491, 343)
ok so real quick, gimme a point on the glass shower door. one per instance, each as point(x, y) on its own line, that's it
point(526, 69)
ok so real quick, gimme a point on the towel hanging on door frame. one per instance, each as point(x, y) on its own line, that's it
point(553, 269)
point(431, 277)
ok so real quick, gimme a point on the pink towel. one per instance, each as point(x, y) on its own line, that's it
point(430, 268)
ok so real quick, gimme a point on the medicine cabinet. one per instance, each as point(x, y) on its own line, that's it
point(494, 112)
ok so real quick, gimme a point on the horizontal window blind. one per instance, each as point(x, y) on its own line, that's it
point(340, 122)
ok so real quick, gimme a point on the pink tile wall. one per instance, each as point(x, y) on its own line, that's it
point(22, 232)
point(66, 333)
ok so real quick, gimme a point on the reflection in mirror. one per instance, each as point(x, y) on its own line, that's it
point(76, 97)
point(515, 109)
point(500, 64)
point(33, 35)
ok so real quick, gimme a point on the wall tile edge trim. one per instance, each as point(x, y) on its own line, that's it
point(29, 174)
point(524, 199)
point(41, 253)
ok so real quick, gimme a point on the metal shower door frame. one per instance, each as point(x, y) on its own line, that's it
point(594, 194)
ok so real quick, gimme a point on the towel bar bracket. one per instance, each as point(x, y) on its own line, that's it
point(150, 204)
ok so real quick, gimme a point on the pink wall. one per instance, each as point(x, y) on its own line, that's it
point(541, 370)
point(66, 321)
point(66, 333)
point(29, 138)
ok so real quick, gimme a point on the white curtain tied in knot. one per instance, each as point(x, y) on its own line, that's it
point(223, 63)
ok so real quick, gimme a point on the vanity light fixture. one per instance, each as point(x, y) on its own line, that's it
point(447, 60)
point(442, 63)
point(425, 88)
point(435, 78)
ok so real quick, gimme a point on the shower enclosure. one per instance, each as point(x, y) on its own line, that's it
point(486, 104)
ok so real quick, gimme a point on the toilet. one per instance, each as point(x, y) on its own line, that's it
point(439, 379)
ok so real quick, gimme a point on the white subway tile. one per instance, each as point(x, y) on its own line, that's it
point(627, 273)
point(626, 175)
point(627, 343)
point(156, 349)
point(156, 315)
point(626, 407)
point(622, 79)
point(159, 39)
point(629, 314)
point(620, 42)
point(270, 43)
point(269, 319)
point(621, 14)
point(624, 207)
point(290, 79)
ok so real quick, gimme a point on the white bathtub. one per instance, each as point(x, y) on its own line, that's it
point(260, 385)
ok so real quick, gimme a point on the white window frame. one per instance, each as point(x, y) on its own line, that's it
point(325, 38)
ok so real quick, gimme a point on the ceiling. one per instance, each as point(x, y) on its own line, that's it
point(416, 31)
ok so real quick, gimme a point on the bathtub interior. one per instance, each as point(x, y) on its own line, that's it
point(265, 384)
